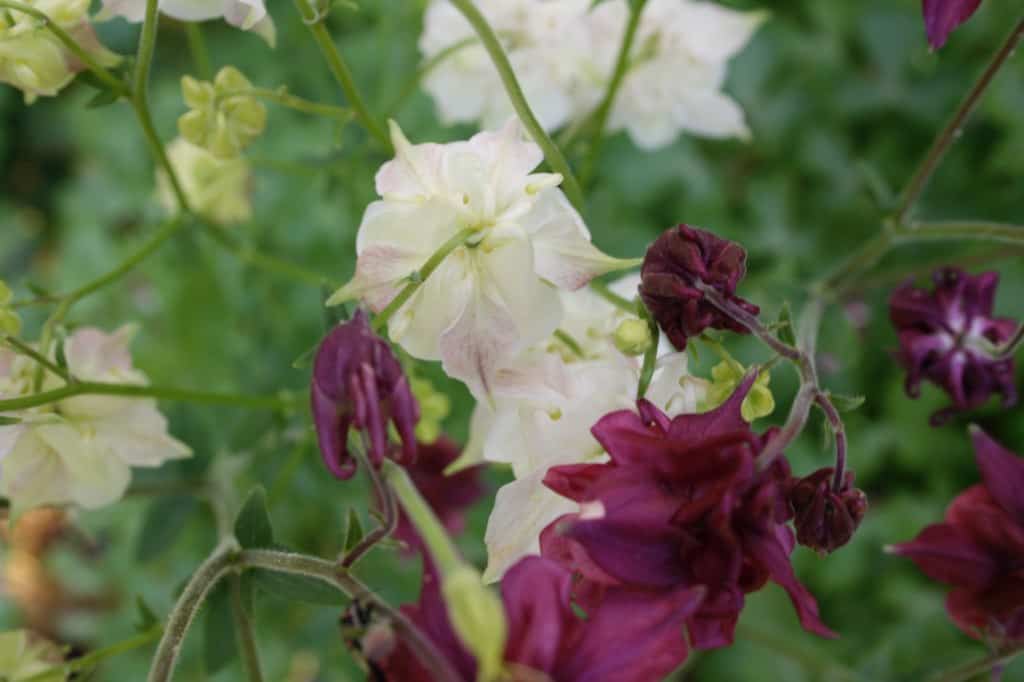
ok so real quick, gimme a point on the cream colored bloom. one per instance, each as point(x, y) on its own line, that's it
point(494, 295)
point(217, 189)
point(25, 656)
point(80, 450)
point(248, 15)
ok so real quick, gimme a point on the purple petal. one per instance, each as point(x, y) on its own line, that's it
point(1002, 471)
point(536, 595)
point(944, 554)
point(628, 438)
point(332, 434)
point(942, 16)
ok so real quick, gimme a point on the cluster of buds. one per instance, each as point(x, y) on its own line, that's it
point(223, 117)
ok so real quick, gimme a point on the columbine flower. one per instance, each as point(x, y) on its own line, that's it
point(947, 336)
point(826, 519)
point(24, 656)
point(633, 637)
point(679, 63)
point(448, 495)
point(941, 17)
point(682, 260)
point(80, 450)
point(681, 504)
point(222, 118)
point(978, 549)
point(495, 294)
point(248, 15)
point(358, 383)
point(217, 189)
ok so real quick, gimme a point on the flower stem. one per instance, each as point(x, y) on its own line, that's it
point(244, 632)
point(23, 348)
point(620, 302)
point(953, 128)
point(650, 355)
point(972, 669)
point(441, 548)
point(421, 276)
point(960, 230)
point(138, 391)
point(340, 71)
point(197, 46)
point(835, 422)
point(1009, 348)
point(618, 75)
point(108, 79)
point(552, 153)
point(390, 514)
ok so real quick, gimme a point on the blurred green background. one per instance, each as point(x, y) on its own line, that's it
point(843, 99)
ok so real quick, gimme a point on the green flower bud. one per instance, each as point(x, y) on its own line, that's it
point(633, 337)
point(229, 79)
point(434, 409)
point(33, 61)
point(223, 119)
point(197, 94)
point(478, 618)
point(218, 189)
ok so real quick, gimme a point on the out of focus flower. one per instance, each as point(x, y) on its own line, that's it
point(726, 378)
point(248, 15)
point(677, 265)
point(978, 549)
point(358, 383)
point(80, 450)
point(948, 336)
point(222, 117)
point(25, 656)
point(217, 189)
point(10, 322)
point(494, 295)
point(435, 407)
point(632, 637)
point(826, 519)
point(681, 504)
point(449, 496)
point(941, 17)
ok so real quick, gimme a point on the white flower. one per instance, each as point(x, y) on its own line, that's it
point(80, 450)
point(494, 295)
point(25, 656)
point(217, 189)
point(680, 59)
point(248, 15)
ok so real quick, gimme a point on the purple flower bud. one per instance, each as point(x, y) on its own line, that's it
point(942, 16)
point(682, 260)
point(825, 520)
point(946, 336)
point(358, 382)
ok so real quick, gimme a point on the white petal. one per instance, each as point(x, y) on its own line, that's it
point(438, 303)
point(138, 436)
point(712, 32)
point(673, 389)
point(95, 476)
point(131, 10)
point(244, 14)
point(193, 10)
point(479, 427)
point(711, 114)
point(414, 173)
point(33, 475)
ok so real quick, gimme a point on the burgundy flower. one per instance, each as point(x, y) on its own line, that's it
point(632, 637)
point(358, 382)
point(945, 336)
point(448, 496)
point(942, 16)
point(979, 549)
point(826, 519)
point(681, 504)
point(676, 266)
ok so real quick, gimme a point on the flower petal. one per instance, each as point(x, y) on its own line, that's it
point(1002, 471)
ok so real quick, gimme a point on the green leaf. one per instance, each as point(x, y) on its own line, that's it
point(147, 617)
point(846, 403)
point(219, 646)
point(353, 530)
point(163, 522)
point(8, 421)
point(297, 588)
point(785, 325)
point(252, 527)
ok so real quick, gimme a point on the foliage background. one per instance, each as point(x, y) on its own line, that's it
point(843, 98)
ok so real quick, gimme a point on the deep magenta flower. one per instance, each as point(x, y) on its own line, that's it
point(681, 504)
point(681, 260)
point(358, 382)
point(826, 519)
point(448, 496)
point(632, 637)
point(979, 549)
point(946, 336)
point(942, 16)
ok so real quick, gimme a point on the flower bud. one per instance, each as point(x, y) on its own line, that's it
point(825, 519)
point(217, 189)
point(34, 62)
point(478, 618)
point(223, 118)
point(633, 337)
point(434, 409)
point(64, 13)
point(726, 376)
point(197, 94)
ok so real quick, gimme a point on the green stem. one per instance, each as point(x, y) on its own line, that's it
point(138, 391)
point(24, 349)
point(284, 98)
point(197, 46)
point(442, 549)
point(650, 356)
point(572, 344)
point(340, 71)
point(424, 69)
point(974, 668)
point(244, 632)
point(605, 292)
point(960, 230)
point(108, 79)
point(254, 257)
point(948, 135)
point(422, 275)
point(618, 75)
point(96, 657)
point(552, 153)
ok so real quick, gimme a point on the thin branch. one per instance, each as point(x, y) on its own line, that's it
point(197, 46)
point(390, 508)
point(243, 632)
point(835, 422)
point(955, 230)
point(28, 351)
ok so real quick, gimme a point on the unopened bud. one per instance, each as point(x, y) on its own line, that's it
point(826, 519)
point(478, 618)
point(633, 337)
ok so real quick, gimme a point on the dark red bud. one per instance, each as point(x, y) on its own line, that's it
point(826, 519)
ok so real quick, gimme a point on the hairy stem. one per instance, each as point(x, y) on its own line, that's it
point(244, 632)
point(138, 391)
point(552, 153)
point(960, 231)
point(389, 506)
point(835, 422)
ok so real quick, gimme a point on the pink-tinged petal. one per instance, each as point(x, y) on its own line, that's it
point(941, 17)
point(481, 338)
point(1002, 471)
point(414, 173)
point(944, 554)
point(380, 273)
point(536, 596)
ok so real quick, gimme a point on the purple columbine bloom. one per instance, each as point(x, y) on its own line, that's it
point(826, 519)
point(682, 503)
point(682, 260)
point(358, 383)
point(979, 549)
point(632, 637)
point(946, 336)
point(941, 17)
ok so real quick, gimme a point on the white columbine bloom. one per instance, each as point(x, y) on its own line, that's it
point(495, 294)
point(80, 450)
point(546, 422)
point(248, 15)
